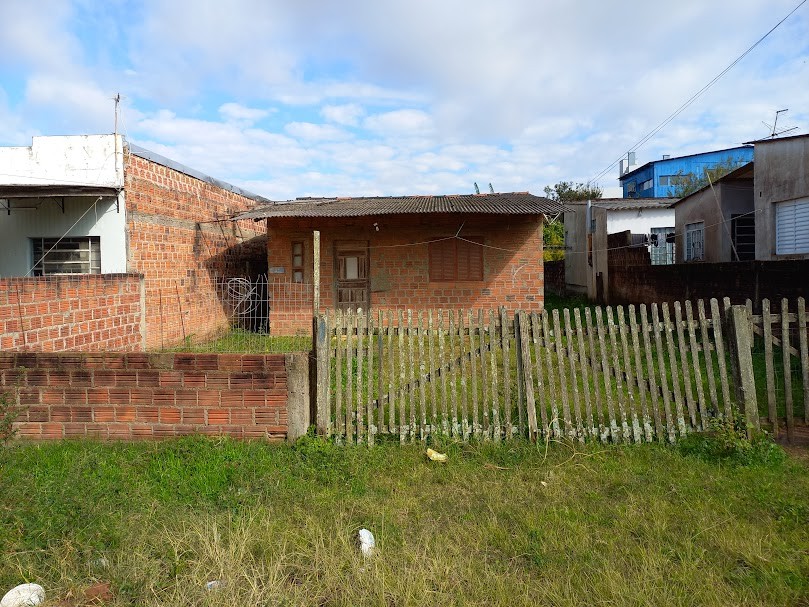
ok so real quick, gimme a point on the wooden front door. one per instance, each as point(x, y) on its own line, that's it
point(351, 274)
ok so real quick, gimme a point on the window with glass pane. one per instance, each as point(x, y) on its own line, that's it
point(297, 262)
point(695, 241)
point(66, 255)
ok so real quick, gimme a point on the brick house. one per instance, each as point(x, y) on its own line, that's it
point(142, 238)
point(393, 253)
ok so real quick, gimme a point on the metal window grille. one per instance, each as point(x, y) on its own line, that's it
point(695, 241)
point(78, 255)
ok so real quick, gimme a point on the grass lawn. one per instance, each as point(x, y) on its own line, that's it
point(511, 524)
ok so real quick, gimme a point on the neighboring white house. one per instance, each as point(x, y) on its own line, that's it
point(588, 223)
point(63, 198)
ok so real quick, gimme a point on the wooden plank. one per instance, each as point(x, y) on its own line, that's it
point(391, 376)
point(453, 373)
point(719, 343)
point(597, 413)
point(610, 425)
point(654, 400)
point(431, 346)
point(682, 348)
point(637, 433)
point(664, 376)
point(564, 389)
point(679, 404)
point(360, 356)
point(584, 363)
point(706, 351)
point(505, 338)
point(772, 411)
point(473, 363)
point(641, 382)
point(400, 391)
point(804, 348)
point(484, 372)
point(422, 378)
point(692, 340)
point(411, 376)
point(380, 379)
point(464, 421)
point(369, 398)
point(619, 373)
point(323, 346)
point(339, 372)
point(520, 372)
point(493, 339)
point(528, 380)
point(443, 372)
point(542, 386)
point(351, 326)
point(787, 369)
point(572, 359)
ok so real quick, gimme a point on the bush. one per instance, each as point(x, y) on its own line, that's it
point(725, 440)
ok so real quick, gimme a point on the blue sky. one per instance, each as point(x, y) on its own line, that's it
point(364, 97)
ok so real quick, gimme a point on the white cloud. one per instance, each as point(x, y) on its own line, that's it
point(408, 123)
point(315, 132)
point(239, 113)
point(348, 114)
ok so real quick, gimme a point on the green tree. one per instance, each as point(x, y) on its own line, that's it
point(688, 183)
point(553, 232)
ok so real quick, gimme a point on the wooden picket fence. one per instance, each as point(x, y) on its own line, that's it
point(617, 374)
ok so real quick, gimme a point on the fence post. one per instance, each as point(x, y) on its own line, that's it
point(322, 365)
point(742, 364)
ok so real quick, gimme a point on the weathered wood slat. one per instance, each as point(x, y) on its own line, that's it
point(360, 412)
point(790, 413)
point(772, 412)
point(380, 380)
point(719, 343)
point(493, 339)
point(663, 374)
point(614, 346)
point(422, 380)
point(391, 376)
point(563, 385)
point(453, 374)
point(525, 353)
point(473, 364)
point(596, 417)
point(637, 434)
point(679, 405)
point(485, 353)
point(804, 349)
point(505, 350)
point(642, 384)
point(610, 423)
point(401, 392)
point(706, 349)
point(682, 348)
point(411, 376)
point(543, 388)
point(369, 409)
point(692, 339)
point(351, 326)
point(573, 358)
point(323, 351)
point(338, 378)
point(464, 421)
point(433, 380)
point(654, 399)
point(584, 362)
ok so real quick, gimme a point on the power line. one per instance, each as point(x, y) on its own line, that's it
point(696, 95)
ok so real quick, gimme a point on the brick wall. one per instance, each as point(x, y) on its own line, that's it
point(399, 275)
point(739, 280)
point(132, 396)
point(176, 242)
point(83, 312)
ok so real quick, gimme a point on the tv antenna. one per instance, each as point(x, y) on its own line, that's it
point(774, 132)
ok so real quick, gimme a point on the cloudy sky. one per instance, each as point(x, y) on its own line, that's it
point(369, 97)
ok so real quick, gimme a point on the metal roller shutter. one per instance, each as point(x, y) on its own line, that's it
point(792, 227)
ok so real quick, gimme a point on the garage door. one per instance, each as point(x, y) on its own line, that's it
point(792, 227)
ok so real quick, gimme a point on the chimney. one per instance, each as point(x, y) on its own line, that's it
point(621, 168)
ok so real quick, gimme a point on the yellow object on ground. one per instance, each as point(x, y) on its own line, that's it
point(436, 456)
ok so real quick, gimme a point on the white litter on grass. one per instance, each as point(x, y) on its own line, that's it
point(367, 543)
point(24, 595)
point(543, 483)
point(214, 584)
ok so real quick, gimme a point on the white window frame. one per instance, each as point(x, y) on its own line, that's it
point(68, 255)
point(792, 227)
point(695, 241)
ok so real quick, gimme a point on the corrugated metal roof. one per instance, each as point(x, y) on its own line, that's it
point(515, 203)
point(627, 204)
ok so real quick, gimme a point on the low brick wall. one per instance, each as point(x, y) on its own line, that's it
point(89, 312)
point(135, 395)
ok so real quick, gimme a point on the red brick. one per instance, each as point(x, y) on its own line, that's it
point(232, 398)
point(147, 414)
point(169, 415)
point(193, 415)
point(125, 414)
point(104, 414)
point(217, 417)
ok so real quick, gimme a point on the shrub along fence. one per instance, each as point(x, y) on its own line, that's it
point(634, 374)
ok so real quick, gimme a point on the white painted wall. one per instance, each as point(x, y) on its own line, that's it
point(48, 221)
point(94, 160)
point(639, 221)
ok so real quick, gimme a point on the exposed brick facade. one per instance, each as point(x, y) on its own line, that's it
point(134, 396)
point(83, 312)
point(176, 242)
point(399, 263)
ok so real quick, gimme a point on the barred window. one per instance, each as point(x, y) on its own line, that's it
point(77, 255)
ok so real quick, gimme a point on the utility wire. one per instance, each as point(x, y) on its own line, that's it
point(696, 95)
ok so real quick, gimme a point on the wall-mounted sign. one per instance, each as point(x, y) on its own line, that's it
point(276, 270)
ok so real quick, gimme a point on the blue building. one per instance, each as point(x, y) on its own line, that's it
point(659, 178)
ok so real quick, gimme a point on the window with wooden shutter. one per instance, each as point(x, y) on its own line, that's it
point(455, 259)
point(792, 227)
